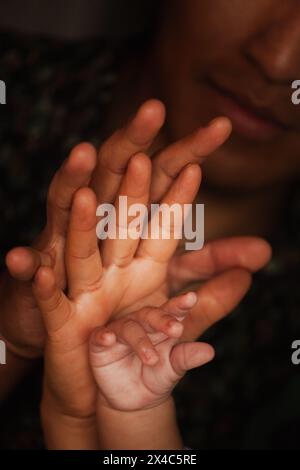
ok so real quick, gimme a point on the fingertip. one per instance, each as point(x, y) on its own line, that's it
point(147, 122)
point(140, 165)
point(153, 111)
point(84, 203)
point(189, 300)
point(191, 172)
point(84, 196)
point(262, 254)
point(138, 176)
point(175, 329)
point(83, 157)
point(19, 260)
point(208, 352)
point(222, 125)
point(149, 357)
point(203, 353)
point(44, 278)
point(104, 337)
point(22, 262)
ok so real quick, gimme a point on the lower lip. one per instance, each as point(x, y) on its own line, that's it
point(244, 121)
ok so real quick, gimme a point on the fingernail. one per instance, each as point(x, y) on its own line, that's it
point(150, 356)
point(190, 299)
point(176, 327)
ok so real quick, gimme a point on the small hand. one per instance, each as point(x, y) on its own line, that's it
point(138, 360)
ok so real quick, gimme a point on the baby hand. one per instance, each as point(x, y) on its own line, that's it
point(137, 360)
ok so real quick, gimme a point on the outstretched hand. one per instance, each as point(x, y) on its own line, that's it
point(230, 261)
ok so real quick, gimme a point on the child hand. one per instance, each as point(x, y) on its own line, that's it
point(23, 330)
point(138, 360)
point(100, 285)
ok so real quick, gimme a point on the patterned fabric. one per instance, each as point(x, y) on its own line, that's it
point(57, 96)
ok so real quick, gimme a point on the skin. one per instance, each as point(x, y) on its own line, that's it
point(102, 285)
point(118, 360)
point(105, 170)
point(24, 331)
point(241, 177)
point(262, 50)
point(247, 180)
point(254, 48)
point(119, 363)
point(128, 419)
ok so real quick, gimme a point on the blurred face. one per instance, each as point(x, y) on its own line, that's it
point(236, 58)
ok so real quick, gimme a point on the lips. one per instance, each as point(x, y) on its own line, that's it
point(250, 122)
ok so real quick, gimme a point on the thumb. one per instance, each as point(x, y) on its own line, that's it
point(22, 262)
point(186, 356)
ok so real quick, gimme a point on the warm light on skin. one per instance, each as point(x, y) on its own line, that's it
point(257, 56)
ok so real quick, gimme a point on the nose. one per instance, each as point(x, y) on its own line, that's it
point(276, 49)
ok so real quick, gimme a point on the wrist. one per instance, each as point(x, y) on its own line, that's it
point(52, 404)
point(50, 412)
point(153, 428)
point(64, 431)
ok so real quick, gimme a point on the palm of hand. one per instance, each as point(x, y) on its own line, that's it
point(126, 383)
point(114, 295)
point(138, 359)
point(126, 273)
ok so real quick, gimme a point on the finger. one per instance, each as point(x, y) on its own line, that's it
point(23, 262)
point(75, 173)
point(134, 335)
point(177, 308)
point(218, 256)
point(83, 260)
point(155, 320)
point(166, 319)
point(216, 299)
point(181, 305)
point(102, 337)
point(134, 190)
point(187, 356)
point(192, 149)
point(115, 153)
point(51, 300)
point(104, 348)
point(183, 191)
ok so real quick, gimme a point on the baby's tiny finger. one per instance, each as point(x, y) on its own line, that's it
point(180, 306)
point(167, 324)
point(103, 337)
point(133, 334)
point(187, 356)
